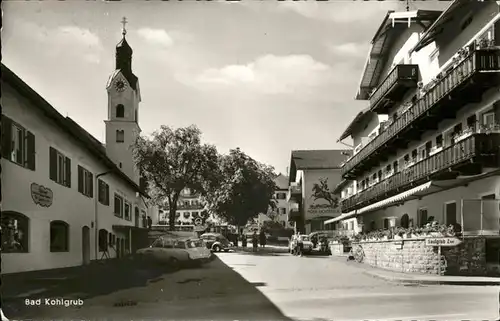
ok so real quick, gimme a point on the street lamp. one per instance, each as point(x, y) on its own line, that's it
point(96, 217)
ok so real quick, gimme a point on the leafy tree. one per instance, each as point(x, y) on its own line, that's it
point(245, 188)
point(172, 160)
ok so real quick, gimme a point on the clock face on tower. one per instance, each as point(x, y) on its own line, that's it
point(120, 85)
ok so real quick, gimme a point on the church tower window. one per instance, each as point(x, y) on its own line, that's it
point(120, 136)
point(120, 111)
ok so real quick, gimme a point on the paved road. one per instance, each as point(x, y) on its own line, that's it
point(310, 288)
point(248, 286)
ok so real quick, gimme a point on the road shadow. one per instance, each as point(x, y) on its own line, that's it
point(83, 282)
point(213, 291)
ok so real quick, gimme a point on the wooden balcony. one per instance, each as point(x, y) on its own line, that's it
point(393, 88)
point(466, 157)
point(462, 84)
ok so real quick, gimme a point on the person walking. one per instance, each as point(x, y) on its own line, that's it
point(300, 245)
point(254, 241)
point(262, 239)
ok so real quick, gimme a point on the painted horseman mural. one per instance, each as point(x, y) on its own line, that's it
point(321, 191)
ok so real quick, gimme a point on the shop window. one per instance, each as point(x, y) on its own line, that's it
point(120, 111)
point(59, 236)
point(14, 232)
point(120, 136)
point(59, 167)
point(85, 182)
point(103, 194)
point(103, 240)
point(405, 221)
point(18, 144)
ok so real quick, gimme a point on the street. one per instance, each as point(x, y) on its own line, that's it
point(263, 286)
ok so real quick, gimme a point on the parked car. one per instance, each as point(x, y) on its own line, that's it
point(306, 241)
point(176, 252)
point(216, 242)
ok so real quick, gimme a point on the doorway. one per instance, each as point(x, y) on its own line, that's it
point(451, 213)
point(86, 245)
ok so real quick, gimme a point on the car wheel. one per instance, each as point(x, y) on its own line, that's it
point(216, 248)
point(226, 250)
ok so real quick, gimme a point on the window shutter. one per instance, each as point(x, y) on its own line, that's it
point(53, 164)
point(80, 179)
point(106, 194)
point(91, 182)
point(67, 164)
point(100, 191)
point(6, 136)
point(30, 159)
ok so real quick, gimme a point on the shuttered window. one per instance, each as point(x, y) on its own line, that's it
point(85, 182)
point(59, 167)
point(18, 144)
point(103, 193)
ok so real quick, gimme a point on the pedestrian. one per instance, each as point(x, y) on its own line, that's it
point(300, 245)
point(254, 241)
point(262, 240)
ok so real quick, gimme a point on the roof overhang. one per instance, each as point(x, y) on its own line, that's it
point(357, 120)
point(342, 217)
point(392, 26)
point(437, 27)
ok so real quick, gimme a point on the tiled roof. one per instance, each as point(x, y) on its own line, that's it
point(281, 181)
point(67, 124)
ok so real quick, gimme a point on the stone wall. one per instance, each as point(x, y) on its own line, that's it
point(413, 256)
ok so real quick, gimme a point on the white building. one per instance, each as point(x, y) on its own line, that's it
point(189, 207)
point(67, 198)
point(426, 148)
point(280, 213)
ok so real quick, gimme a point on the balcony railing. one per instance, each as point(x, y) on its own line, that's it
point(478, 144)
point(478, 61)
point(401, 78)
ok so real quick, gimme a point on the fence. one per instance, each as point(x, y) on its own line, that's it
point(478, 216)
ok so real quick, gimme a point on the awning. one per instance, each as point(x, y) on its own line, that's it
point(397, 198)
point(341, 217)
point(129, 227)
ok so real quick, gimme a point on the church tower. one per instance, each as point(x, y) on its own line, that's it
point(122, 124)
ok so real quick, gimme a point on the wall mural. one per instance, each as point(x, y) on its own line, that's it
point(321, 191)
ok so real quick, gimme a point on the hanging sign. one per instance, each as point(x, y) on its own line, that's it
point(41, 195)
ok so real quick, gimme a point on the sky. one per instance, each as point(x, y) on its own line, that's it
point(268, 77)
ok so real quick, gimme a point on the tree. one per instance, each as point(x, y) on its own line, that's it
point(172, 160)
point(322, 191)
point(245, 188)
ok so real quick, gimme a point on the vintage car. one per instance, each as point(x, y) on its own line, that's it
point(306, 241)
point(216, 242)
point(176, 252)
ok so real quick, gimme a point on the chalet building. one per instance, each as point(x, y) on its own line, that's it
point(67, 198)
point(313, 175)
point(190, 206)
point(427, 146)
point(280, 213)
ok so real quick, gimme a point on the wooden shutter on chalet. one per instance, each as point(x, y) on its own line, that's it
point(6, 136)
point(100, 191)
point(106, 194)
point(30, 146)
point(80, 179)
point(53, 164)
point(91, 182)
point(67, 166)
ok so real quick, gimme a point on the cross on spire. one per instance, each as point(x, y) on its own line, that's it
point(124, 22)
